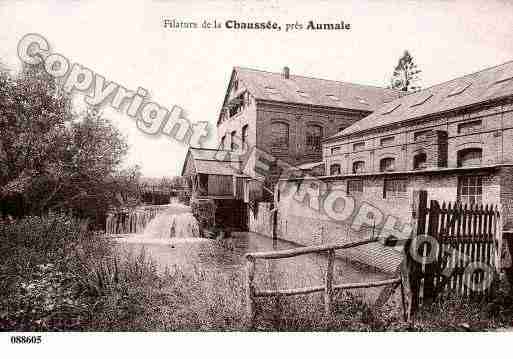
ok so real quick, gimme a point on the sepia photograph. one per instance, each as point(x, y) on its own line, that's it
point(255, 167)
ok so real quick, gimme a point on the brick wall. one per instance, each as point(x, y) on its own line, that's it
point(495, 137)
point(298, 117)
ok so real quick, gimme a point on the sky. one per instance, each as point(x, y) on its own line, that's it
point(126, 43)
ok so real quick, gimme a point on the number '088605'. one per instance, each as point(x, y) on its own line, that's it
point(22, 339)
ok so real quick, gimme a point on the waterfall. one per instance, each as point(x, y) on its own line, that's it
point(170, 224)
point(130, 220)
point(167, 221)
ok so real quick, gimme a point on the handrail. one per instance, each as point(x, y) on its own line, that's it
point(287, 253)
point(328, 287)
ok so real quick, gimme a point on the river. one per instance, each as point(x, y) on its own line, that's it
point(227, 256)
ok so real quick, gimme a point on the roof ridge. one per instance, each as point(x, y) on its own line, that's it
point(317, 78)
point(487, 75)
point(454, 79)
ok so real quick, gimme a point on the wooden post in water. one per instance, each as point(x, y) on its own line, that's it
point(328, 290)
point(250, 291)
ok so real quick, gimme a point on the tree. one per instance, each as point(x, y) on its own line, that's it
point(405, 76)
point(53, 158)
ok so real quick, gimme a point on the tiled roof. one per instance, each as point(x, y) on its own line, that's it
point(312, 91)
point(213, 161)
point(489, 84)
point(212, 154)
point(216, 168)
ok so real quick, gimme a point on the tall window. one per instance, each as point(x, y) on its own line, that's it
point(244, 136)
point(387, 164)
point(358, 167)
point(236, 105)
point(395, 187)
point(355, 186)
point(470, 157)
point(313, 138)
point(470, 189)
point(419, 161)
point(233, 145)
point(335, 169)
point(279, 136)
point(223, 142)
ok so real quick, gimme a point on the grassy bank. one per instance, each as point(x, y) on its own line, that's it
point(57, 275)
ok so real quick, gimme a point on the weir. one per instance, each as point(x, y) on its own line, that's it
point(167, 221)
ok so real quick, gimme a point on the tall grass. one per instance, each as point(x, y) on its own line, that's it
point(57, 275)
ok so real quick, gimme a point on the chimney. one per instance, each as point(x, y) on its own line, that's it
point(286, 73)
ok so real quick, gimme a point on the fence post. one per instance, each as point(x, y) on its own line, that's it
point(430, 268)
point(328, 290)
point(250, 291)
point(412, 267)
point(275, 224)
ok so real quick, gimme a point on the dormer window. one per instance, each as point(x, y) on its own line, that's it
point(459, 89)
point(421, 100)
point(505, 76)
point(390, 109)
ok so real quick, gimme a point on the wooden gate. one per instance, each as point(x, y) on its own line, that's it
point(455, 249)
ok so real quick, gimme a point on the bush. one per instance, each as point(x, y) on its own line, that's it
point(204, 211)
point(41, 265)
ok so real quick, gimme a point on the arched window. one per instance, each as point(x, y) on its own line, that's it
point(233, 145)
point(470, 157)
point(223, 142)
point(335, 169)
point(387, 164)
point(358, 167)
point(244, 136)
point(419, 161)
point(313, 138)
point(279, 136)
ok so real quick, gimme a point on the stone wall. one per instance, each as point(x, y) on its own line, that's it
point(303, 219)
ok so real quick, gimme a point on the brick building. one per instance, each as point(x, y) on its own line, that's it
point(287, 115)
point(454, 139)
